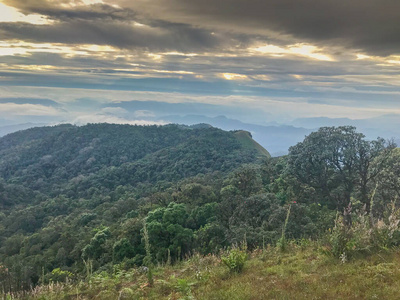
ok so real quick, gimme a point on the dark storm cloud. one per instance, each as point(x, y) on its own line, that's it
point(103, 24)
point(372, 26)
point(369, 25)
point(93, 12)
point(119, 34)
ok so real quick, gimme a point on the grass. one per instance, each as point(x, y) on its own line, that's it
point(247, 141)
point(295, 274)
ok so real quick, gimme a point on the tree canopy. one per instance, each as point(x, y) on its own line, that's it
point(75, 199)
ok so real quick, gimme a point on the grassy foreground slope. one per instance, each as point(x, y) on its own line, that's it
point(299, 273)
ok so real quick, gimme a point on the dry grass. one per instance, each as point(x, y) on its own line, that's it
point(296, 274)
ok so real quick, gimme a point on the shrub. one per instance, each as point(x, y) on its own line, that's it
point(125, 294)
point(363, 234)
point(235, 259)
point(282, 242)
point(185, 288)
point(147, 259)
point(58, 275)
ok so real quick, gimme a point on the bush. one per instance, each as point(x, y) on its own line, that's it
point(126, 293)
point(58, 275)
point(364, 234)
point(235, 259)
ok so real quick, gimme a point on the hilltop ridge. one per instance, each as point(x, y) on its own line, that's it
point(41, 156)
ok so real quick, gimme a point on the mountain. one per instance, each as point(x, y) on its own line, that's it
point(41, 157)
point(317, 122)
point(60, 185)
point(247, 141)
point(386, 126)
point(85, 203)
point(4, 130)
point(109, 155)
point(277, 139)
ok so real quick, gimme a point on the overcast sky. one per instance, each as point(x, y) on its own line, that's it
point(260, 60)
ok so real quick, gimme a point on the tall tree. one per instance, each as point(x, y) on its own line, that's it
point(335, 162)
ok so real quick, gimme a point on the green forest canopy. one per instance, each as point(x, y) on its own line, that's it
point(71, 195)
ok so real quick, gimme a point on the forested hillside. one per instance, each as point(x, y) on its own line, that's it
point(40, 158)
point(87, 201)
point(60, 185)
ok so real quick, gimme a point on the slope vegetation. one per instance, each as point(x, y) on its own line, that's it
point(114, 211)
point(61, 185)
point(301, 273)
point(40, 158)
point(247, 141)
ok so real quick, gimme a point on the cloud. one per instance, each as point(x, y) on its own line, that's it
point(115, 33)
point(85, 105)
point(34, 101)
point(230, 54)
point(370, 25)
point(117, 111)
point(13, 109)
point(67, 10)
point(99, 118)
point(143, 114)
point(103, 24)
point(10, 14)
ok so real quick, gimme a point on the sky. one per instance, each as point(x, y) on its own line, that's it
point(254, 60)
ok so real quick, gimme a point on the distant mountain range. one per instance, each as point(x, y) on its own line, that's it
point(275, 138)
point(4, 130)
point(386, 126)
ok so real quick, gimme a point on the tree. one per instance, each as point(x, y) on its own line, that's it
point(123, 249)
point(335, 162)
point(96, 247)
point(168, 232)
point(386, 184)
point(247, 180)
point(373, 157)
